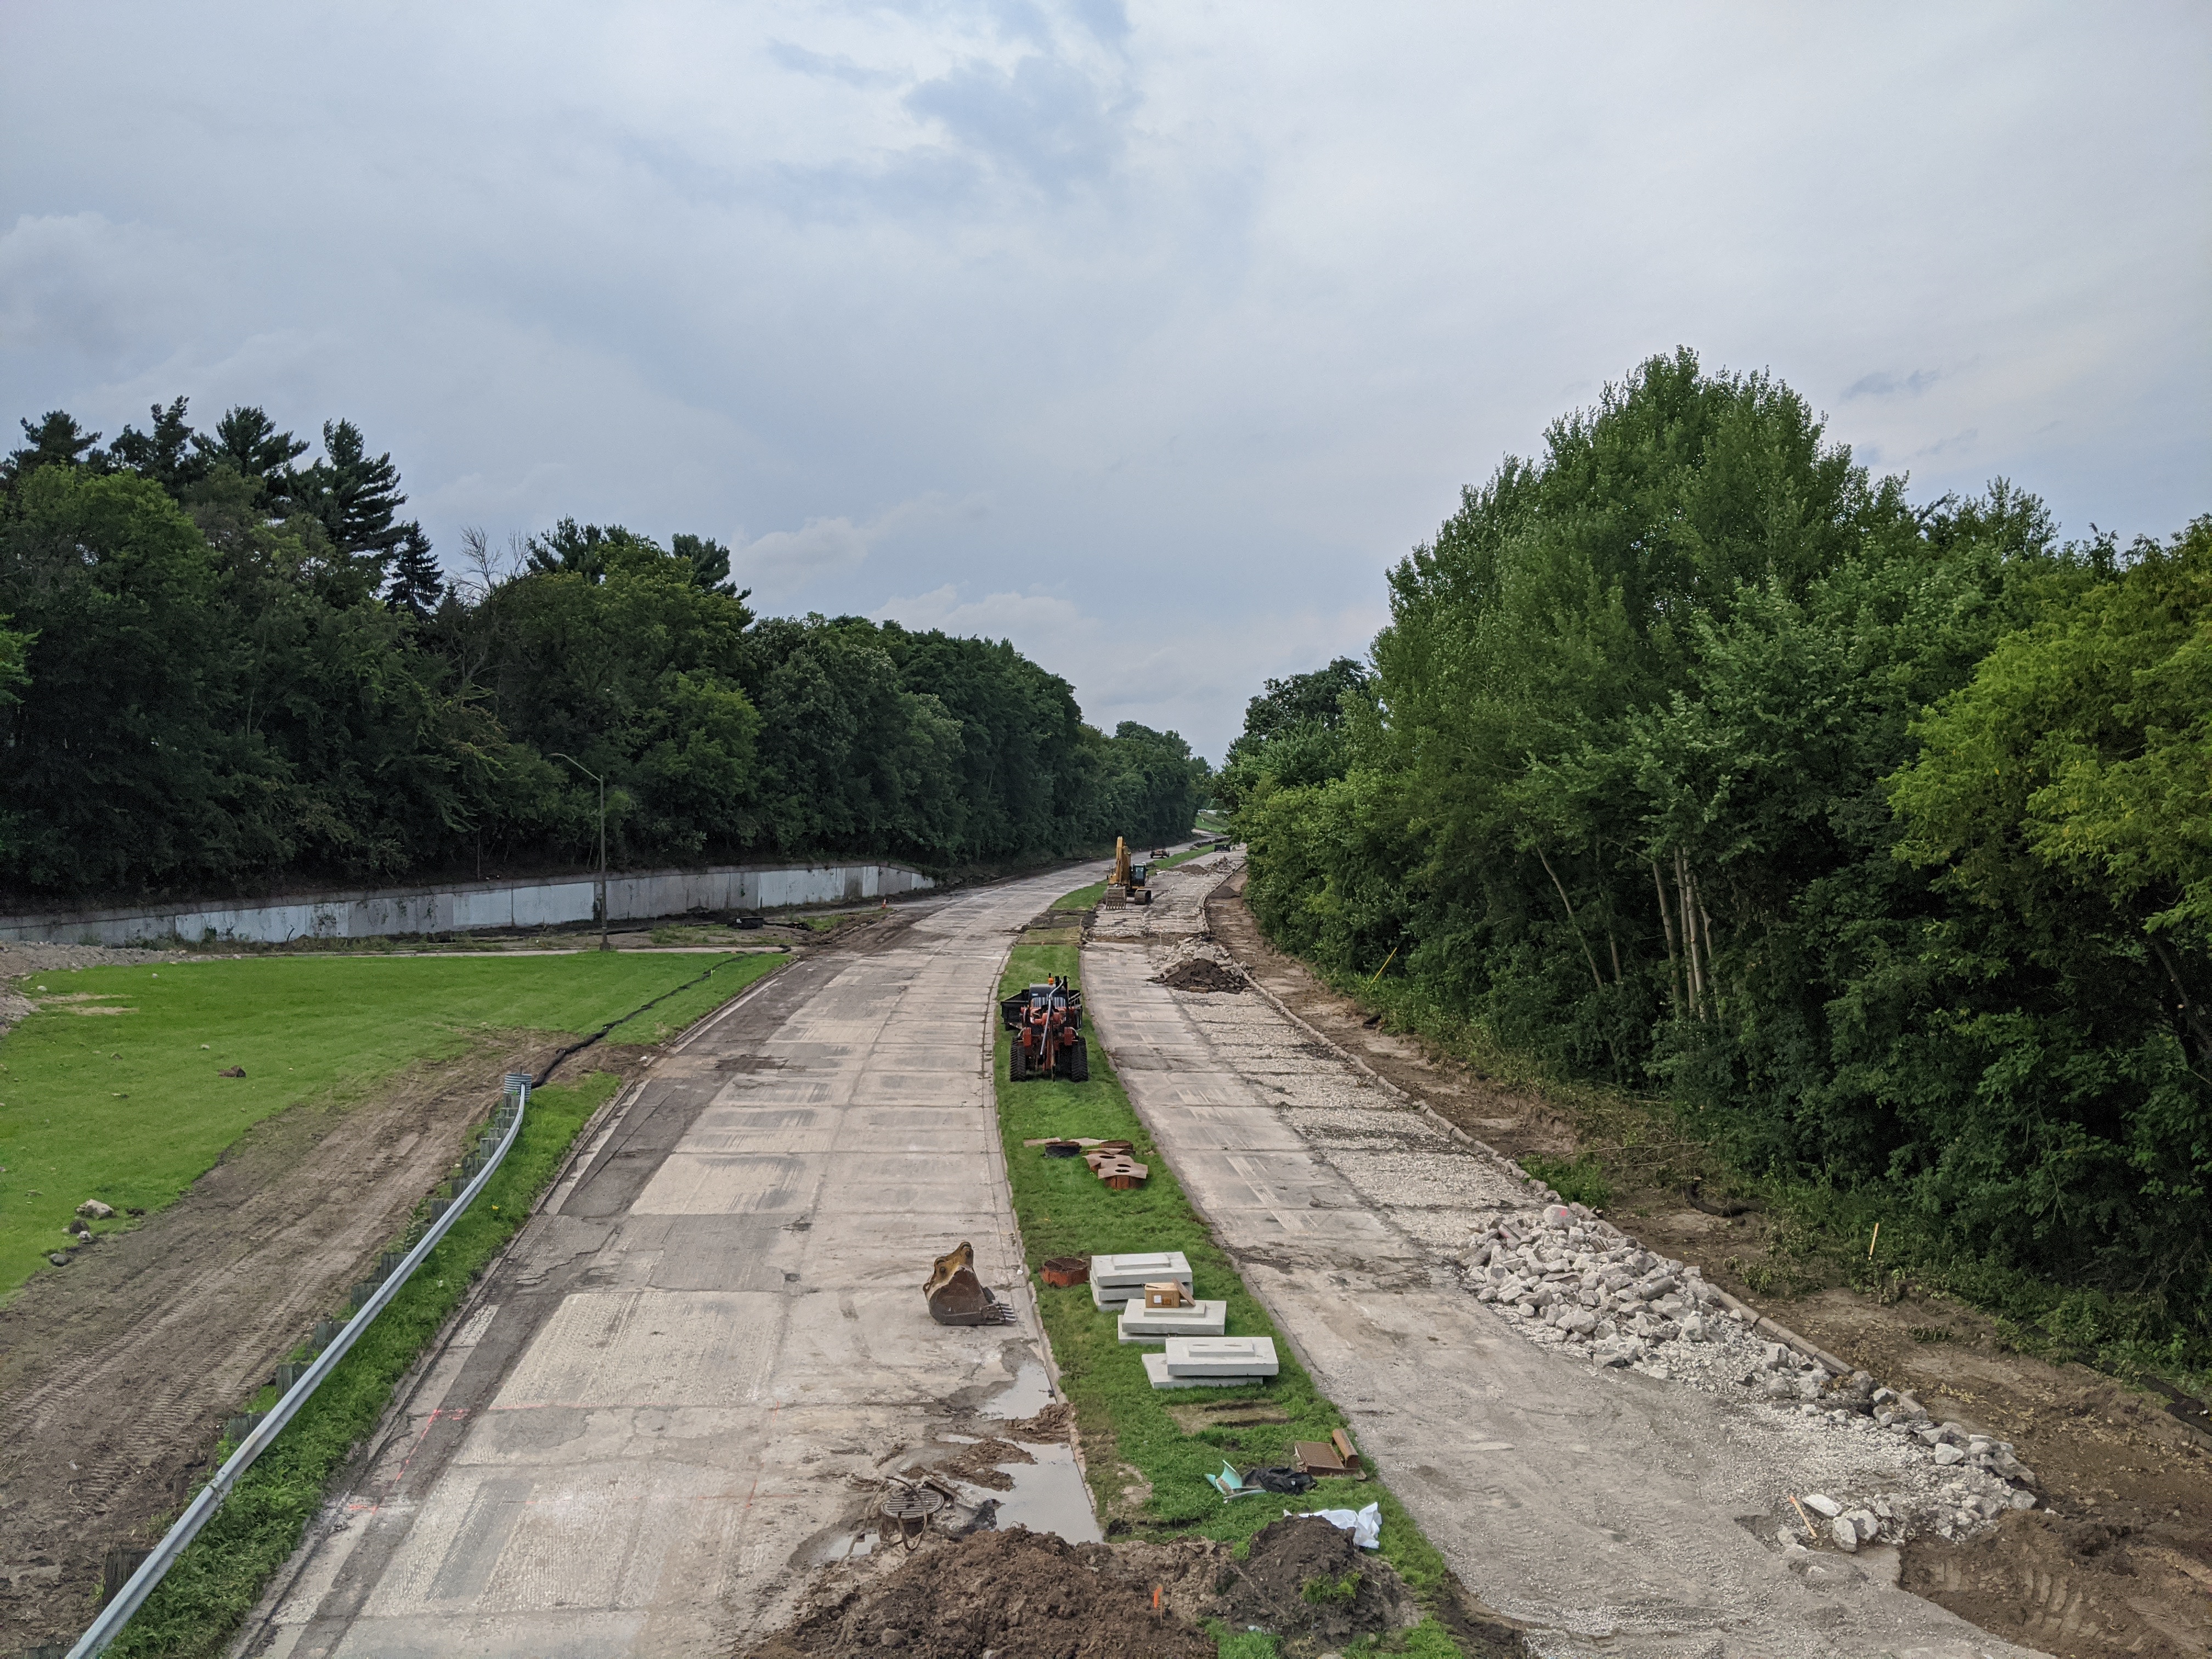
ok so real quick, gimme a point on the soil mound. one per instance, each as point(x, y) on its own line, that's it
point(1303, 1576)
point(2068, 1586)
point(1018, 1595)
point(1202, 973)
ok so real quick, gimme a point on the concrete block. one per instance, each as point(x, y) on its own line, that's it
point(1156, 1368)
point(1221, 1355)
point(1135, 1269)
point(1158, 1324)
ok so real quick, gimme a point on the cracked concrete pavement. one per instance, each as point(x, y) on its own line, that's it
point(1609, 1512)
point(671, 1394)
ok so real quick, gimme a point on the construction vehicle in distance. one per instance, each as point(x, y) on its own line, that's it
point(1047, 1021)
point(1126, 885)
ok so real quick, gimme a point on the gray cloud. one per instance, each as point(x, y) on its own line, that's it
point(1149, 336)
point(1882, 384)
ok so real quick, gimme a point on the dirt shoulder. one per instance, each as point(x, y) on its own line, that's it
point(115, 1374)
point(2121, 1562)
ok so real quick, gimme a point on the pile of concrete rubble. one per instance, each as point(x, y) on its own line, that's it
point(1564, 1276)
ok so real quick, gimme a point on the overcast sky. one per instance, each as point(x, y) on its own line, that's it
point(1148, 336)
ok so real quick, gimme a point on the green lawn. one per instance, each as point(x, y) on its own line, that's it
point(109, 1091)
point(1064, 1210)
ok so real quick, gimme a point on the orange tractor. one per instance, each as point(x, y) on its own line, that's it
point(1047, 1021)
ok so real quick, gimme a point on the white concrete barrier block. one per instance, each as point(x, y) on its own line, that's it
point(1135, 1269)
point(1221, 1355)
point(1141, 1324)
point(1156, 1368)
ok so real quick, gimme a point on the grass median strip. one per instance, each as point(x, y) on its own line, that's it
point(1148, 1452)
point(112, 1088)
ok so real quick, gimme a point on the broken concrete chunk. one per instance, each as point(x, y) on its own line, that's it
point(1821, 1503)
point(1947, 1454)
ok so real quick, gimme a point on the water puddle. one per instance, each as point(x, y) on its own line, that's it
point(1030, 1393)
point(1047, 1496)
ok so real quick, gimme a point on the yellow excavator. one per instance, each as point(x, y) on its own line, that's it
point(1126, 885)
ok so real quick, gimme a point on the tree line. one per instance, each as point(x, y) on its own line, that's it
point(221, 669)
point(1876, 834)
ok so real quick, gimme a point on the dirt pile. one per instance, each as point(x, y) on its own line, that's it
point(2070, 1587)
point(1304, 1577)
point(1017, 1595)
point(1202, 973)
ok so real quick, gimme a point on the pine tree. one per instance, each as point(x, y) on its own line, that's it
point(710, 562)
point(417, 580)
point(355, 497)
point(58, 440)
point(169, 455)
point(248, 439)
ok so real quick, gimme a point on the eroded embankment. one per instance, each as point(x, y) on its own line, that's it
point(116, 1372)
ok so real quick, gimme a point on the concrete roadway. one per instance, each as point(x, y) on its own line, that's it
point(659, 1415)
point(1600, 1509)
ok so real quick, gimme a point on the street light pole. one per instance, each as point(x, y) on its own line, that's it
point(604, 943)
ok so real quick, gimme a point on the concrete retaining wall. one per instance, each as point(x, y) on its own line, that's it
point(474, 907)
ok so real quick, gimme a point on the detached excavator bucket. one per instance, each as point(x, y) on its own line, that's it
point(956, 1297)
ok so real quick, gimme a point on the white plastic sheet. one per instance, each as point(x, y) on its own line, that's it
point(1366, 1526)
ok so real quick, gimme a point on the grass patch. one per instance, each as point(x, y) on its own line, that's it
point(1579, 1180)
point(126, 1106)
point(196, 1608)
point(1147, 1471)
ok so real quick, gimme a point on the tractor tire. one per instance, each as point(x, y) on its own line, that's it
point(1078, 1062)
point(1018, 1062)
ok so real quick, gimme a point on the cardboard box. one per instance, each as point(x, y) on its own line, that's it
point(1169, 1295)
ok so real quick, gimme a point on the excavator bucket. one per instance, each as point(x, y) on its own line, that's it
point(956, 1297)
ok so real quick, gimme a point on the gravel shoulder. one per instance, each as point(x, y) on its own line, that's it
point(1629, 1509)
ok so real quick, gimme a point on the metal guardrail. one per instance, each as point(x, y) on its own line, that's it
point(270, 1424)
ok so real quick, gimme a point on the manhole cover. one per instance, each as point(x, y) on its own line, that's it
point(910, 1508)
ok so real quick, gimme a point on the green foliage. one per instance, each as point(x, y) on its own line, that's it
point(218, 1580)
point(226, 669)
point(1243, 1644)
point(1295, 733)
point(1577, 1181)
point(125, 1104)
point(1326, 1592)
point(1617, 797)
